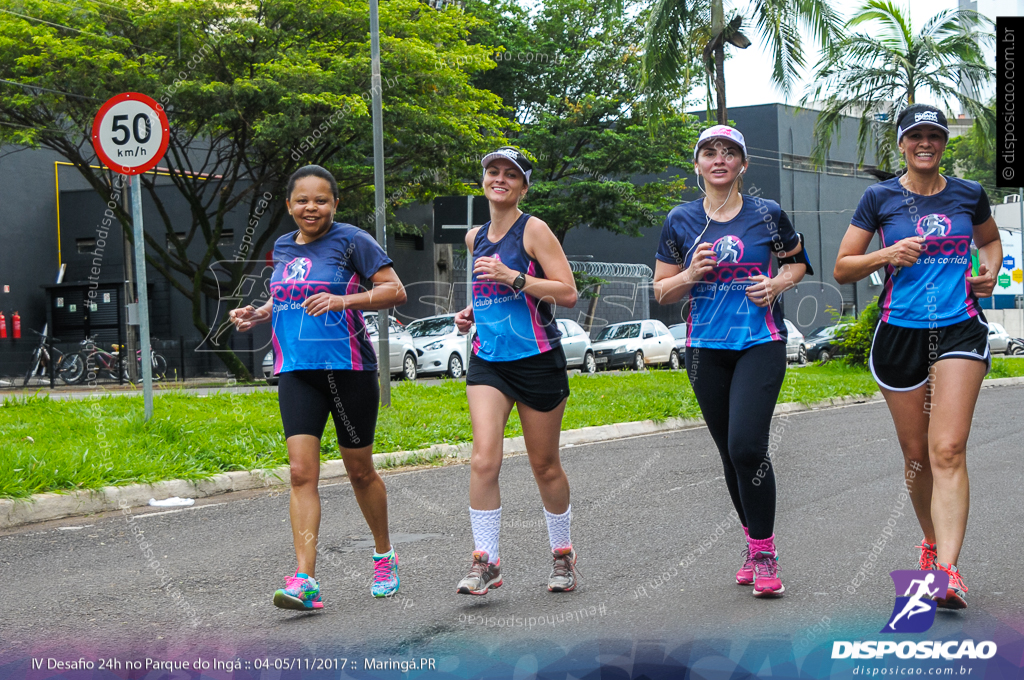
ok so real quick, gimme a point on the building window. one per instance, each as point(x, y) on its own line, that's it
point(840, 168)
point(181, 237)
point(227, 238)
point(801, 163)
point(86, 246)
point(408, 242)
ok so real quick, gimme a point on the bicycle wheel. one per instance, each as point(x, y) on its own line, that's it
point(159, 367)
point(37, 356)
point(71, 369)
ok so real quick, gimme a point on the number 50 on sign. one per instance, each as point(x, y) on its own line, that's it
point(130, 133)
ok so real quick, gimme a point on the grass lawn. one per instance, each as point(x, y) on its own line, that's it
point(90, 443)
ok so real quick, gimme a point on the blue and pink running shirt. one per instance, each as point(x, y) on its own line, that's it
point(934, 291)
point(721, 316)
point(510, 325)
point(340, 262)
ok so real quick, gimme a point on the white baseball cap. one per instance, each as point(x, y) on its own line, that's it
point(720, 132)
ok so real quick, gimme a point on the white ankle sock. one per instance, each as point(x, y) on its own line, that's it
point(486, 526)
point(558, 529)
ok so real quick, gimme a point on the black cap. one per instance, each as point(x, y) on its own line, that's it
point(517, 157)
point(920, 114)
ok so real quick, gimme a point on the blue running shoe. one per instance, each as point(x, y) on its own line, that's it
point(300, 592)
point(385, 574)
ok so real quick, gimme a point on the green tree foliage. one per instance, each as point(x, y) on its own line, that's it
point(569, 77)
point(681, 32)
point(973, 156)
point(857, 338)
point(253, 90)
point(877, 72)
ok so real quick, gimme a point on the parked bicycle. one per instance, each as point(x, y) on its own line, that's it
point(157, 362)
point(68, 367)
point(98, 362)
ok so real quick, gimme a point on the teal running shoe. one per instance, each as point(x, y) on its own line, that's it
point(300, 592)
point(385, 575)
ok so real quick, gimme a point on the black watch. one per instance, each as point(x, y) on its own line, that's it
point(519, 282)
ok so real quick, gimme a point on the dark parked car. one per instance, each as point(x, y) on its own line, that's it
point(823, 344)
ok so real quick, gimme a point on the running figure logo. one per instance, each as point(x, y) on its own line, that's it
point(298, 269)
point(934, 225)
point(914, 611)
point(729, 248)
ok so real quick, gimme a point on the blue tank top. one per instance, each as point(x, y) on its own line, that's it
point(510, 325)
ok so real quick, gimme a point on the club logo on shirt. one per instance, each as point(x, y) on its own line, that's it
point(298, 269)
point(729, 248)
point(935, 225)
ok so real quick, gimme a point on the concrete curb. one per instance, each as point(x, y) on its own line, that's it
point(49, 506)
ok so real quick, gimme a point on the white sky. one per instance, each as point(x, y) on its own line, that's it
point(748, 72)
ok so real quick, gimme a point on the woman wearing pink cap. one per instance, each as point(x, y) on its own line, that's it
point(718, 251)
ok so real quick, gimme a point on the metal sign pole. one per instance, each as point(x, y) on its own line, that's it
point(383, 318)
point(140, 285)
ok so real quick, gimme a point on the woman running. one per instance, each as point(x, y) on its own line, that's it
point(930, 351)
point(718, 250)
point(519, 272)
point(327, 366)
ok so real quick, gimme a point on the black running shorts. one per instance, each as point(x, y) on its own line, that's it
point(901, 357)
point(351, 397)
point(540, 381)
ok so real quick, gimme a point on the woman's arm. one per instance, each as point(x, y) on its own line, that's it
point(672, 283)
point(387, 292)
point(990, 257)
point(854, 263)
point(245, 318)
point(540, 243)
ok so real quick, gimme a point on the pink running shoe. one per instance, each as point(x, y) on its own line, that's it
point(745, 576)
point(928, 557)
point(766, 575)
point(956, 593)
point(300, 592)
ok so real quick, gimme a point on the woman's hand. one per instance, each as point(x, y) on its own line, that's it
point(704, 260)
point(464, 319)
point(984, 283)
point(321, 303)
point(245, 318)
point(904, 253)
point(492, 269)
point(762, 292)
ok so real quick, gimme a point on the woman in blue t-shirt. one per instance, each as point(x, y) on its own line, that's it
point(519, 274)
point(325, 275)
point(930, 351)
point(718, 251)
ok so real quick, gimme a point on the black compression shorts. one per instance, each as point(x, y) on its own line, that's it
point(539, 381)
point(351, 397)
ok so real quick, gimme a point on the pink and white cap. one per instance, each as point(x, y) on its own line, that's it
point(720, 132)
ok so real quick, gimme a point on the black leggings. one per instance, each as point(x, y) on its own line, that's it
point(737, 391)
point(306, 398)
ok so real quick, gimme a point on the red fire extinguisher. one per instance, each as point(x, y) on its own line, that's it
point(16, 324)
point(3, 326)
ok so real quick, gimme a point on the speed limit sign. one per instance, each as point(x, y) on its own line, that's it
point(130, 133)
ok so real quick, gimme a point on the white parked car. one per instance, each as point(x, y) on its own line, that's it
point(576, 343)
point(439, 346)
point(678, 331)
point(1001, 342)
point(794, 338)
point(402, 349)
point(635, 344)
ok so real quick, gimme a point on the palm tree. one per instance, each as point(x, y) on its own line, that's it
point(877, 74)
point(677, 28)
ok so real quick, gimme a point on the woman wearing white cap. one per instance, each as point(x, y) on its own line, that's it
point(519, 274)
point(930, 351)
point(718, 251)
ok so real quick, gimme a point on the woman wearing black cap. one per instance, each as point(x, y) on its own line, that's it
point(930, 351)
point(519, 274)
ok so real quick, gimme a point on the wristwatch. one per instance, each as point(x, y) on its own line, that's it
point(519, 282)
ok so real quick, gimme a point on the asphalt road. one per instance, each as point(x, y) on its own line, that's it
point(652, 524)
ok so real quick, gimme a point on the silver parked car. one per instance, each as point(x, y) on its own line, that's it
point(794, 338)
point(439, 346)
point(576, 343)
point(635, 344)
point(402, 349)
point(678, 331)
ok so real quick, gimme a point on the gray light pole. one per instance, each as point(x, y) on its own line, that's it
point(383, 316)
